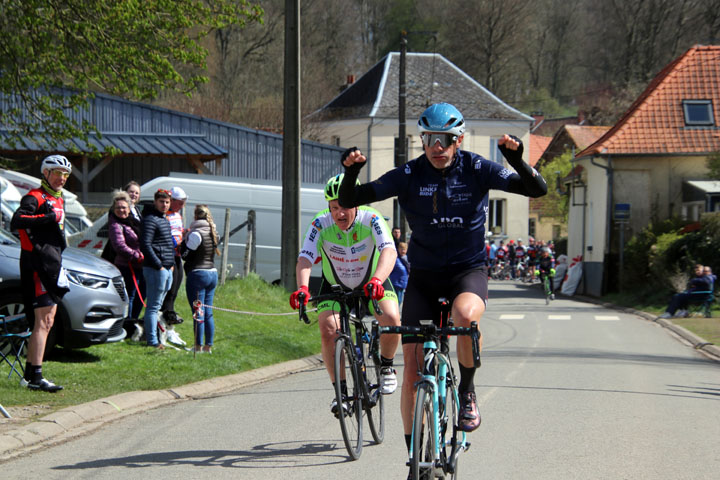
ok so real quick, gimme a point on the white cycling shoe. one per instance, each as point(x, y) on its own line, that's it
point(388, 380)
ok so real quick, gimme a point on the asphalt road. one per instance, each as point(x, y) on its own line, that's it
point(567, 391)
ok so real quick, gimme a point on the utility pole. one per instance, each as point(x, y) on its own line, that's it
point(401, 150)
point(290, 237)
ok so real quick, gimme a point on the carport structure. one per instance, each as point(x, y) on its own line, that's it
point(195, 150)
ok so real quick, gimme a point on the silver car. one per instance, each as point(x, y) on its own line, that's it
point(91, 313)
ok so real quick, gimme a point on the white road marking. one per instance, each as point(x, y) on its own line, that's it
point(512, 316)
point(607, 318)
point(558, 317)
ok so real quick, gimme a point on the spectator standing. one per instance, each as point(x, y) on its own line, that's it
point(399, 275)
point(178, 197)
point(156, 244)
point(40, 222)
point(132, 188)
point(198, 250)
point(124, 237)
point(396, 234)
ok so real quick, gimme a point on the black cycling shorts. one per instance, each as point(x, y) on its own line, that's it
point(425, 287)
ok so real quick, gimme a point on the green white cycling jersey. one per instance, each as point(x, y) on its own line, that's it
point(349, 257)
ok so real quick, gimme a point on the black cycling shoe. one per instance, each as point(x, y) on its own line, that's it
point(42, 385)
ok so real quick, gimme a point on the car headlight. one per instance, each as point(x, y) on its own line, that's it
point(87, 280)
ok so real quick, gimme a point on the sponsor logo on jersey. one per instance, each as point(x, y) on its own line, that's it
point(448, 222)
point(358, 248)
point(478, 164)
point(313, 234)
point(308, 253)
point(354, 237)
point(428, 191)
point(505, 173)
point(316, 223)
point(407, 169)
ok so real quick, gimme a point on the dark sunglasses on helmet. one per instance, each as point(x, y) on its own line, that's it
point(445, 139)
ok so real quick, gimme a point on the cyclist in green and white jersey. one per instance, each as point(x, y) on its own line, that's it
point(357, 250)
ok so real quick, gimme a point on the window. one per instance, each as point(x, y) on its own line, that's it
point(496, 223)
point(531, 227)
point(495, 154)
point(698, 112)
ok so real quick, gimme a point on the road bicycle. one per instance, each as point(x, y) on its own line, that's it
point(437, 441)
point(547, 287)
point(357, 361)
point(501, 270)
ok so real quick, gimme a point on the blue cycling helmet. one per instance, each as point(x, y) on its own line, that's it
point(441, 117)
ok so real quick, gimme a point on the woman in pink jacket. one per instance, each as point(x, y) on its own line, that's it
point(124, 237)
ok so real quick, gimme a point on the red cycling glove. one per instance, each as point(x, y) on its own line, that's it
point(374, 289)
point(295, 297)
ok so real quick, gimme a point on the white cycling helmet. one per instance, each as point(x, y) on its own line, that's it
point(56, 161)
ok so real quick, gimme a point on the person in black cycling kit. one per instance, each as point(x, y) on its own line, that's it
point(444, 194)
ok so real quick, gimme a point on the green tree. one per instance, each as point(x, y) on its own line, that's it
point(713, 165)
point(556, 202)
point(133, 48)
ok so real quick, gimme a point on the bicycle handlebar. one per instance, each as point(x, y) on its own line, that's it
point(435, 331)
point(337, 295)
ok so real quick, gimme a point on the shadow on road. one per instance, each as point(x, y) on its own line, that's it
point(268, 455)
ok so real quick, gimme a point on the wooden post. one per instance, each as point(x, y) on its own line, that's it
point(226, 247)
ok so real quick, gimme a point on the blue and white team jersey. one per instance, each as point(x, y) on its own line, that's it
point(446, 210)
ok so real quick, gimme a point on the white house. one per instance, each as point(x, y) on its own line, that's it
point(365, 115)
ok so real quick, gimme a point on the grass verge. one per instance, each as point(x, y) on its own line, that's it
point(707, 328)
point(242, 342)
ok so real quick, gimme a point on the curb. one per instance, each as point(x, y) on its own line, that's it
point(698, 343)
point(79, 419)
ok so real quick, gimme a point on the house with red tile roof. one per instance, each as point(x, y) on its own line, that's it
point(647, 166)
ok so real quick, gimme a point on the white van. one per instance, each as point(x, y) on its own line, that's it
point(76, 219)
point(9, 202)
point(220, 193)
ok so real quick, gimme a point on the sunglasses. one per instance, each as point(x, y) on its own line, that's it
point(60, 173)
point(445, 139)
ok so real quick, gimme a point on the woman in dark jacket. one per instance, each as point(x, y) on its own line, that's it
point(124, 238)
point(156, 244)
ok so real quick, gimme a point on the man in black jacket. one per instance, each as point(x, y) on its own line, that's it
point(158, 248)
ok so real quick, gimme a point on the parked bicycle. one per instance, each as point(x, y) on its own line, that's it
point(437, 440)
point(357, 361)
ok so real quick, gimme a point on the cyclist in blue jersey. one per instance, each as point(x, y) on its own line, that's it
point(444, 195)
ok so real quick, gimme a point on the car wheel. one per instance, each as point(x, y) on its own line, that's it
point(11, 303)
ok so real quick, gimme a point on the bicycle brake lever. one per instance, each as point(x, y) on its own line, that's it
point(376, 307)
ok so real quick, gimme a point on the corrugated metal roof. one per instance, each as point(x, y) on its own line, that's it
point(169, 144)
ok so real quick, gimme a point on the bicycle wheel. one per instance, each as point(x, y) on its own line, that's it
point(350, 419)
point(450, 436)
point(423, 440)
point(375, 404)
point(546, 286)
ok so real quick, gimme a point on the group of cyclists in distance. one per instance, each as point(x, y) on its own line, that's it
point(519, 261)
point(444, 196)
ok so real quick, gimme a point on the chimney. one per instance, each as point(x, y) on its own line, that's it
point(349, 80)
point(539, 118)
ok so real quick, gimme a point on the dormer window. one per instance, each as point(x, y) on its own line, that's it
point(698, 113)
